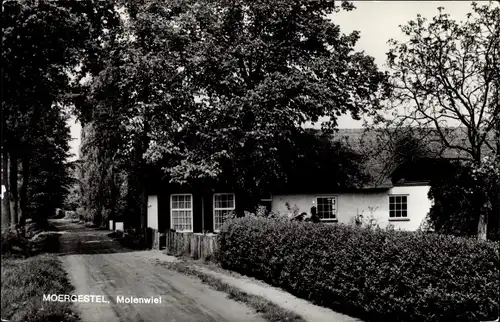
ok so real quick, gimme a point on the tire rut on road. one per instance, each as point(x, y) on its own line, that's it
point(98, 265)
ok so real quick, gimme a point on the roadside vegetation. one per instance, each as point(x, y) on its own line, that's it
point(29, 270)
point(25, 280)
point(371, 273)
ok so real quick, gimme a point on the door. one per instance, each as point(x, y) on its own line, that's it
point(152, 221)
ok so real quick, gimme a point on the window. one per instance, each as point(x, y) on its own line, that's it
point(181, 212)
point(398, 206)
point(327, 207)
point(224, 205)
point(267, 201)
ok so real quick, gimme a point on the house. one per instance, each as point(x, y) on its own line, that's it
point(190, 209)
point(397, 193)
point(404, 204)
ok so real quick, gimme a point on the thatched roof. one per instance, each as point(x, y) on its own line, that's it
point(378, 147)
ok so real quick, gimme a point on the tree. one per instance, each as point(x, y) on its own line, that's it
point(46, 176)
point(447, 74)
point(199, 88)
point(459, 192)
point(43, 41)
point(255, 72)
point(100, 178)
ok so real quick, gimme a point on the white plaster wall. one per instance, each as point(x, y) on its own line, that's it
point(152, 221)
point(419, 205)
point(370, 204)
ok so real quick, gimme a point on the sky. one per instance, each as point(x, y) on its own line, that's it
point(377, 22)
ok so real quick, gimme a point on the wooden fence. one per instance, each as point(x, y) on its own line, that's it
point(197, 246)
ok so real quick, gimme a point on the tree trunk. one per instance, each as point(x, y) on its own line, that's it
point(144, 206)
point(5, 194)
point(496, 210)
point(144, 144)
point(23, 195)
point(13, 193)
point(114, 194)
point(482, 226)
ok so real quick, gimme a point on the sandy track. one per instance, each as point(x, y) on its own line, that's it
point(98, 265)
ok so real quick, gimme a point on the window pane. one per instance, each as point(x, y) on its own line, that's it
point(181, 212)
point(224, 201)
point(224, 205)
point(326, 207)
point(181, 202)
point(220, 216)
point(398, 206)
point(181, 220)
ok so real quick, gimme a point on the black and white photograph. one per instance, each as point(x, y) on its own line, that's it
point(250, 161)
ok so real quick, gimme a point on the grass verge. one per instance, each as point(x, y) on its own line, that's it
point(24, 281)
point(270, 311)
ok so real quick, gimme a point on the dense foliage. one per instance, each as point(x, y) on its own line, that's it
point(372, 273)
point(460, 195)
point(47, 174)
point(102, 181)
point(447, 73)
point(207, 89)
point(47, 47)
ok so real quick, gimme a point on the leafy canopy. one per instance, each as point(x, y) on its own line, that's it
point(210, 82)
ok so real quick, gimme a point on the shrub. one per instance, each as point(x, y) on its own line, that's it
point(59, 213)
point(81, 213)
point(459, 196)
point(13, 242)
point(33, 242)
point(371, 273)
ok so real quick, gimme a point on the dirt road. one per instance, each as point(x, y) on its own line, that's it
point(98, 265)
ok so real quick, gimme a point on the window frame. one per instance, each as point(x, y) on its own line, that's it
point(335, 213)
point(401, 218)
point(181, 209)
point(214, 209)
point(269, 200)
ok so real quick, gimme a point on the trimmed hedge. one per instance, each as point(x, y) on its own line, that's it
point(372, 274)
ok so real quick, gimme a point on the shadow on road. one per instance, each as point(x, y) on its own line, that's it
point(77, 239)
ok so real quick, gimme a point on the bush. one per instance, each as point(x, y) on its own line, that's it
point(82, 215)
point(459, 196)
point(14, 243)
point(59, 213)
point(370, 273)
point(33, 242)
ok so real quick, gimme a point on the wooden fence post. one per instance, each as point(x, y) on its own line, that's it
point(196, 246)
